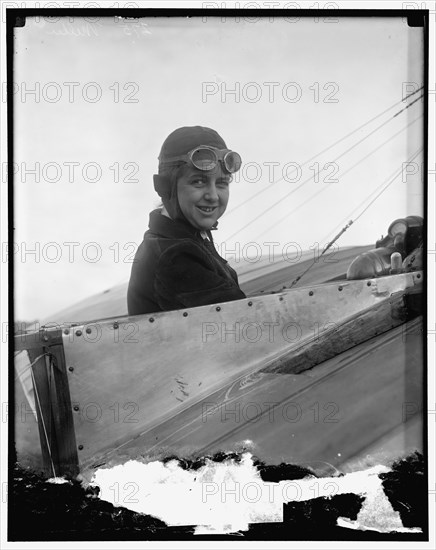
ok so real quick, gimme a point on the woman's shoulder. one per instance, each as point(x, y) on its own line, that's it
point(163, 250)
point(175, 250)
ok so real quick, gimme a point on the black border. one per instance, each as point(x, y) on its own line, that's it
point(417, 17)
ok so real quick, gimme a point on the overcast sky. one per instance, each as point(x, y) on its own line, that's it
point(108, 92)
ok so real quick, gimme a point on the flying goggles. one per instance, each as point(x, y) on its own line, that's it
point(207, 158)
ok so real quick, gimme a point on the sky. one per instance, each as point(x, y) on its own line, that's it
point(281, 92)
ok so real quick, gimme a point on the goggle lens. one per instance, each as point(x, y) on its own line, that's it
point(204, 159)
point(232, 162)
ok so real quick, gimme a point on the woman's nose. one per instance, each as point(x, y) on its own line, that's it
point(211, 193)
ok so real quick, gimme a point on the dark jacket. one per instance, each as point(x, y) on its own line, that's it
point(175, 268)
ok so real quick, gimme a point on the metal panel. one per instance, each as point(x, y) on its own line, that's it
point(350, 405)
point(129, 376)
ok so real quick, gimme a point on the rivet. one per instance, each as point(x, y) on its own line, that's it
point(71, 369)
point(250, 303)
point(339, 288)
point(281, 298)
point(80, 447)
point(368, 283)
point(151, 320)
point(218, 308)
point(116, 325)
point(418, 275)
point(66, 331)
point(88, 330)
point(185, 314)
point(311, 293)
point(78, 333)
point(45, 338)
point(76, 408)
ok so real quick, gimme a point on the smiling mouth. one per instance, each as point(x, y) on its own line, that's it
point(207, 209)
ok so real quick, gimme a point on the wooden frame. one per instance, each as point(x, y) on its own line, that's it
point(52, 401)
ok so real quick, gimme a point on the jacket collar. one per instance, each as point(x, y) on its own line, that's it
point(173, 229)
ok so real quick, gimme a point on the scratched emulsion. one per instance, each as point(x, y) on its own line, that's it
point(224, 495)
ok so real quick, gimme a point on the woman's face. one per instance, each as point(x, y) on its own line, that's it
point(203, 195)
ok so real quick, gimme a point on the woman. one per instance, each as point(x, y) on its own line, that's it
point(177, 266)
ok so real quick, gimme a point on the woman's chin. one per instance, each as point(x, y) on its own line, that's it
point(204, 225)
point(208, 226)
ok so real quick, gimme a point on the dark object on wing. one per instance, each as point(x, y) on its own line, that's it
point(404, 238)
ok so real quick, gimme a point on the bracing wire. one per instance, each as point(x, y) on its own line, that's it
point(318, 193)
point(38, 401)
point(20, 374)
point(310, 178)
point(43, 424)
point(397, 173)
point(326, 237)
point(334, 144)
